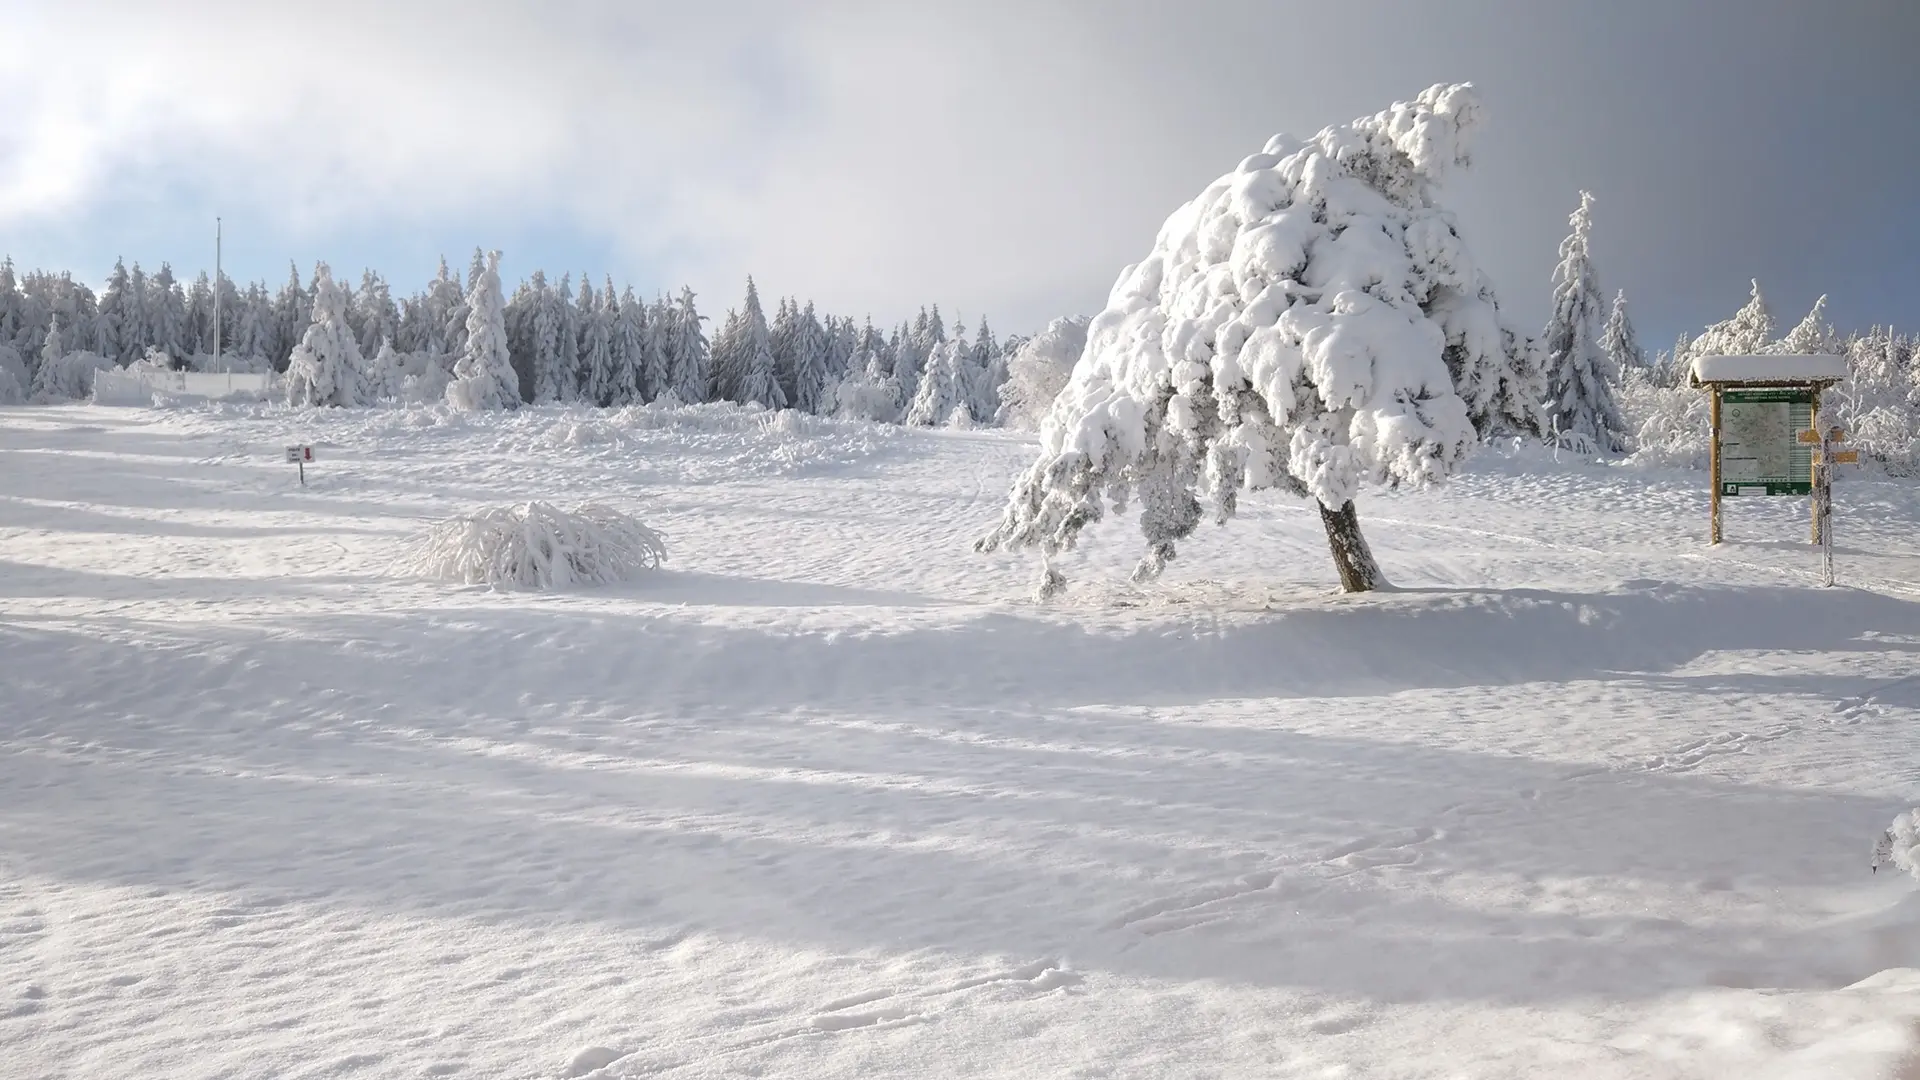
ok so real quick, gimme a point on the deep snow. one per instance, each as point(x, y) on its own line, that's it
point(826, 796)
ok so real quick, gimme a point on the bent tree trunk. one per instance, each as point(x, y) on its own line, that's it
point(1358, 571)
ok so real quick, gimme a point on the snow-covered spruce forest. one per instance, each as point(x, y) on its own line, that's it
point(551, 342)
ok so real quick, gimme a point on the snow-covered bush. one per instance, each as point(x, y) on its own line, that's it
point(1671, 426)
point(14, 380)
point(1313, 321)
point(537, 546)
point(69, 377)
point(1038, 371)
point(867, 394)
point(1899, 846)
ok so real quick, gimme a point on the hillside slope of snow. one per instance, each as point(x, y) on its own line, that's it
point(824, 796)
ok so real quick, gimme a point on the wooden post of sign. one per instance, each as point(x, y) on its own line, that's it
point(1813, 424)
point(1713, 464)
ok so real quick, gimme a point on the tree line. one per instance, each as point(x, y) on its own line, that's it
point(563, 342)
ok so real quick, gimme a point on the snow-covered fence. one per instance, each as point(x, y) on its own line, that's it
point(138, 386)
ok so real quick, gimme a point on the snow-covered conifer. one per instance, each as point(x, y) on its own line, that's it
point(386, 374)
point(945, 385)
point(746, 366)
point(810, 360)
point(109, 335)
point(373, 315)
point(1618, 341)
point(291, 309)
point(599, 380)
point(197, 337)
point(1579, 394)
point(46, 378)
point(167, 313)
point(1811, 336)
point(326, 367)
point(1748, 333)
point(1283, 332)
point(483, 376)
point(644, 331)
point(1038, 371)
point(689, 357)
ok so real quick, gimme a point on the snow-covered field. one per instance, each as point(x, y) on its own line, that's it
point(827, 796)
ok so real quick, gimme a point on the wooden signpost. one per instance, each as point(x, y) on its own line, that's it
point(1765, 412)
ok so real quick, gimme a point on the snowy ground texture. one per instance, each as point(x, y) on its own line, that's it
point(825, 796)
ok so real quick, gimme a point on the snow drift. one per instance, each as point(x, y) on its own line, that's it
point(537, 546)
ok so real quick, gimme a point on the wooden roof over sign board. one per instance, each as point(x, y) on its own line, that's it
point(1773, 370)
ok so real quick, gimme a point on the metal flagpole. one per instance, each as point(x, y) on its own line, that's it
point(217, 365)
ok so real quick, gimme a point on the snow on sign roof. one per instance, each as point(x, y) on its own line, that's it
point(1773, 369)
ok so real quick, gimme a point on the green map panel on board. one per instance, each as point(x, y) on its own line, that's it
point(1760, 448)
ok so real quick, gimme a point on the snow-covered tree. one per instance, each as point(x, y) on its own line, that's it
point(65, 374)
point(556, 352)
point(643, 332)
point(688, 355)
point(109, 335)
point(387, 374)
point(373, 315)
point(811, 347)
point(47, 375)
point(483, 376)
point(1811, 336)
point(744, 365)
point(1748, 333)
point(198, 336)
point(446, 308)
point(326, 368)
point(600, 381)
point(253, 333)
point(1618, 341)
point(291, 309)
point(167, 313)
point(1288, 329)
point(15, 383)
point(945, 385)
point(1038, 371)
point(1580, 397)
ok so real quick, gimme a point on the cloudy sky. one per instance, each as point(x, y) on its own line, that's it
point(998, 157)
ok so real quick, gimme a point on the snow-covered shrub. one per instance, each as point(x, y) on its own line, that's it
point(1899, 846)
point(69, 377)
point(14, 380)
point(867, 395)
point(1671, 426)
point(537, 546)
point(1038, 371)
point(426, 387)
